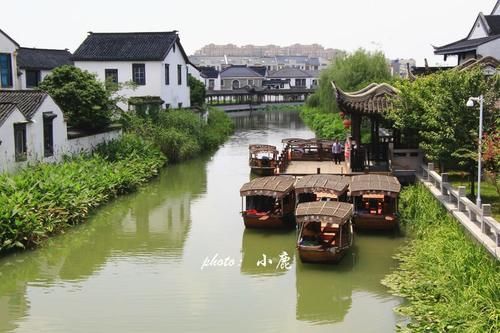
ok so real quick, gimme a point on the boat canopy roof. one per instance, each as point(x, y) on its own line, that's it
point(254, 149)
point(373, 183)
point(334, 184)
point(273, 186)
point(324, 211)
point(307, 142)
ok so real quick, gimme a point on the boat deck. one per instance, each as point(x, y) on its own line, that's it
point(310, 168)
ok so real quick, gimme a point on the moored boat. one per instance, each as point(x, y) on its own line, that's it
point(269, 202)
point(325, 231)
point(322, 188)
point(263, 159)
point(375, 200)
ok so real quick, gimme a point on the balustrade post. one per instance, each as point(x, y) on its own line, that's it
point(430, 167)
point(461, 194)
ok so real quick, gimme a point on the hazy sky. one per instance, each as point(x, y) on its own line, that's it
point(402, 29)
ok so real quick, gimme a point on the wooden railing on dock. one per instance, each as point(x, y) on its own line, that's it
point(477, 220)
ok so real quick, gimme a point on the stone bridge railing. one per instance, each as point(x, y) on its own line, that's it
point(477, 220)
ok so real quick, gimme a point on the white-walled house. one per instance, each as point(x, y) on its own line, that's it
point(155, 61)
point(211, 77)
point(296, 78)
point(34, 64)
point(8, 62)
point(483, 39)
point(236, 77)
point(32, 128)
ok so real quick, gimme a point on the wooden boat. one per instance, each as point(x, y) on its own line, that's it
point(269, 202)
point(325, 231)
point(263, 159)
point(375, 199)
point(307, 149)
point(322, 188)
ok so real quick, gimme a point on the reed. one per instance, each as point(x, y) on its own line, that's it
point(450, 281)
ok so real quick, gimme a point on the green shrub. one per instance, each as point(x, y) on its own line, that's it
point(450, 281)
point(326, 125)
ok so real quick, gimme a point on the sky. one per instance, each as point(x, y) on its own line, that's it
point(399, 28)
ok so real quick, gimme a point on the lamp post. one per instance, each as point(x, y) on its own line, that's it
point(470, 103)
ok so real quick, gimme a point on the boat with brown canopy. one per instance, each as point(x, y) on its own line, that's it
point(263, 159)
point(325, 231)
point(268, 202)
point(375, 200)
point(322, 188)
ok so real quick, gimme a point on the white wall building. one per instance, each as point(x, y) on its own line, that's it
point(297, 78)
point(8, 62)
point(33, 129)
point(483, 39)
point(154, 61)
point(211, 78)
point(34, 64)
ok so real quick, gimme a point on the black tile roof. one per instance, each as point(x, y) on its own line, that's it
point(289, 72)
point(5, 111)
point(208, 72)
point(128, 46)
point(494, 23)
point(28, 58)
point(27, 101)
point(259, 69)
point(463, 45)
point(239, 71)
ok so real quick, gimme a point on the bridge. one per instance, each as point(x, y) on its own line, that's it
point(255, 96)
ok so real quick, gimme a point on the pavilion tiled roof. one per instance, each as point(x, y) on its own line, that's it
point(375, 98)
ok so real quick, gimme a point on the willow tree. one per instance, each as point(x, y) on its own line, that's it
point(351, 72)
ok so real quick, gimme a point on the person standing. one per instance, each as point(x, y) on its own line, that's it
point(337, 150)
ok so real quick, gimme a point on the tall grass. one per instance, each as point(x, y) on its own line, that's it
point(47, 198)
point(451, 282)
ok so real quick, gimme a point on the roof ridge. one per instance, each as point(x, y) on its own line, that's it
point(133, 32)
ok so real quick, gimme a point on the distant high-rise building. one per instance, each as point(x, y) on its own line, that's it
point(313, 50)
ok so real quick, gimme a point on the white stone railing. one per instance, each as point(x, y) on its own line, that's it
point(477, 220)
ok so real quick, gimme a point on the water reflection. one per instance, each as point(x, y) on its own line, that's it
point(260, 245)
point(154, 221)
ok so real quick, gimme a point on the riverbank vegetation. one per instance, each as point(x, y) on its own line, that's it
point(350, 72)
point(47, 198)
point(450, 281)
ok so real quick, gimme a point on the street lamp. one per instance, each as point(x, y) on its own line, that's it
point(470, 103)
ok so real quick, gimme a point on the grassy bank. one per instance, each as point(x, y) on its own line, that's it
point(326, 125)
point(450, 281)
point(45, 199)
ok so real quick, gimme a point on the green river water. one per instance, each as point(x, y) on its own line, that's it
point(138, 264)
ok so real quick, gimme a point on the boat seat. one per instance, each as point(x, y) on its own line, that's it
point(328, 236)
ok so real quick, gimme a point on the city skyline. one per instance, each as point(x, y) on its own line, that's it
point(400, 31)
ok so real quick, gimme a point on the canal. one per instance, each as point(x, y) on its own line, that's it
point(175, 256)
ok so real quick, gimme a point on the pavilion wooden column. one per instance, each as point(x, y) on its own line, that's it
point(356, 128)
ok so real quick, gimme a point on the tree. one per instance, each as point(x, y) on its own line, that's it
point(84, 100)
point(197, 91)
point(351, 72)
point(434, 108)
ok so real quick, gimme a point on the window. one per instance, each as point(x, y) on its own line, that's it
point(33, 78)
point(300, 82)
point(179, 74)
point(5, 70)
point(139, 74)
point(179, 105)
point(167, 106)
point(250, 83)
point(211, 84)
point(111, 75)
point(20, 142)
point(48, 133)
point(167, 74)
point(236, 84)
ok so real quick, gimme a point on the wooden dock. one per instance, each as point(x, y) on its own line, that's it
point(300, 168)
